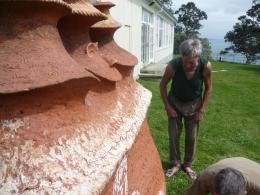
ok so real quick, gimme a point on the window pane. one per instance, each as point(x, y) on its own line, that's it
point(160, 37)
point(147, 36)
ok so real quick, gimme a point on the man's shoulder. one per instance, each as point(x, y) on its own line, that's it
point(175, 63)
point(202, 185)
point(203, 62)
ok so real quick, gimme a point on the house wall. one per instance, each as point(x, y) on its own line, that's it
point(129, 14)
point(160, 53)
point(164, 53)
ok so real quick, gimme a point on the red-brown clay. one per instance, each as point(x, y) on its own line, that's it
point(74, 30)
point(144, 169)
point(103, 33)
point(49, 112)
point(31, 52)
point(69, 133)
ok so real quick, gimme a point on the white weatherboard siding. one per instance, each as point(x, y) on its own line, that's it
point(129, 36)
point(129, 14)
point(164, 44)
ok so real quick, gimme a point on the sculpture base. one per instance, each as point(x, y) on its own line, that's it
point(140, 172)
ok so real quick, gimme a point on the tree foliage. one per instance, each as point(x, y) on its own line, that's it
point(178, 39)
point(189, 17)
point(206, 49)
point(245, 36)
point(167, 3)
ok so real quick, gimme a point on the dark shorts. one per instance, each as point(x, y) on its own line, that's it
point(185, 108)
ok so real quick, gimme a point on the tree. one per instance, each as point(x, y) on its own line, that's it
point(189, 17)
point(167, 3)
point(206, 49)
point(178, 39)
point(245, 36)
point(256, 2)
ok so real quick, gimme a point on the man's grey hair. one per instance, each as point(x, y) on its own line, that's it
point(229, 181)
point(190, 48)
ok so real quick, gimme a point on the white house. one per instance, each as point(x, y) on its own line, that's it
point(147, 30)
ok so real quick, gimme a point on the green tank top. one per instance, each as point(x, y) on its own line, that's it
point(183, 89)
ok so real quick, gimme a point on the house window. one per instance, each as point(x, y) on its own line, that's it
point(164, 35)
point(172, 34)
point(161, 32)
point(147, 37)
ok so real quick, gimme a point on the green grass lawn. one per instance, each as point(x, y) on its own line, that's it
point(231, 126)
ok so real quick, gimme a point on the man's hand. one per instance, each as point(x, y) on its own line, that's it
point(199, 116)
point(207, 92)
point(171, 112)
point(168, 74)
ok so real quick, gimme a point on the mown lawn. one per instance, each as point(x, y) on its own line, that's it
point(231, 126)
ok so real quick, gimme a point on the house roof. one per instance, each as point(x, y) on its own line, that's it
point(165, 9)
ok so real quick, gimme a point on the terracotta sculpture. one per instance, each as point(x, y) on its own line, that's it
point(103, 33)
point(77, 40)
point(32, 53)
point(72, 118)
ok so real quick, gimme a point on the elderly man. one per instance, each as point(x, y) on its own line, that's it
point(229, 181)
point(184, 101)
point(232, 176)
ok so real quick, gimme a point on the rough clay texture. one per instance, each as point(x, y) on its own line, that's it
point(81, 7)
point(76, 38)
point(31, 51)
point(70, 110)
point(136, 176)
point(103, 32)
point(109, 22)
point(80, 162)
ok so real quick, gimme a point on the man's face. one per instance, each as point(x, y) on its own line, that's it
point(190, 63)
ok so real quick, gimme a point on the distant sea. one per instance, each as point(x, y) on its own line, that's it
point(218, 45)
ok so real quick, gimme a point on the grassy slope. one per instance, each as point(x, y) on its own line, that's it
point(231, 126)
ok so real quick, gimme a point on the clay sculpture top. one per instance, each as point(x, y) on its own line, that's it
point(74, 30)
point(103, 33)
point(110, 22)
point(32, 53)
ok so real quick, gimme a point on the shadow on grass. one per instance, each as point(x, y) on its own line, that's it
point(166, 165)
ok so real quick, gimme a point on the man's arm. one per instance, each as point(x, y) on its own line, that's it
point(200, 186)
point(194, 189)
point(168, 74)
point(207, 91)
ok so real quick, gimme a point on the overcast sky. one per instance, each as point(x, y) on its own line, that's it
point(222, 15)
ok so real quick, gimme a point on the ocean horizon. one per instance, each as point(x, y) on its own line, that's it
point(218, 45)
